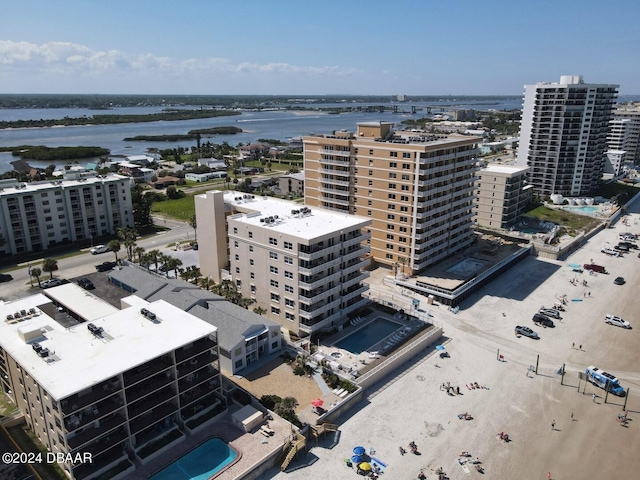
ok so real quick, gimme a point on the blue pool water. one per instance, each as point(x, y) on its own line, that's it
point(200, 463)
point(360, 340)
point(585, 209)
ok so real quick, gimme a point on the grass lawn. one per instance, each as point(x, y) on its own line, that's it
point(180, 209)
point(569, 220)
point(28, 442)
point(6, 406)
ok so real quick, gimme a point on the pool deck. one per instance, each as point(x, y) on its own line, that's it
point(253, 447)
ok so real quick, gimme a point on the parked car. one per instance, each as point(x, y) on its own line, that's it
point(99, 249)
point(106, 266)
point(627, 236)
point(628, 245)
point(610, 251)
point(526, 331)
point(541, 319)
point(550, 312)
point(619, 281)
point(54, 282)
point(86, 284)
point(621, 248)
point(594, 267)
point(559, 307)
point(5, 277)
point(617, 321)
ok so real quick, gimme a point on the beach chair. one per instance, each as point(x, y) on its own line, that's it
point(344, 394)
point(340, 391)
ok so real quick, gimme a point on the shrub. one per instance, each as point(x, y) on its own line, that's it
point(270, 401)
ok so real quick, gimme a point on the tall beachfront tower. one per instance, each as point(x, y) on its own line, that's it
point(416, 187)
point(563, 135)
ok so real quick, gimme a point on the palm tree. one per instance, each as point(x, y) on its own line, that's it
point(49, 265)
point(154, 257)
point(173, 263)
point(138, 252)
point(259, 310)
point(36, 272)
point(114, 246)
point(193, 223)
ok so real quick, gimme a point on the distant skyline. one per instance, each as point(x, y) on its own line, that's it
point(298, 47)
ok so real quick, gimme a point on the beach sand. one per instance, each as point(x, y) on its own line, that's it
point(412, 407)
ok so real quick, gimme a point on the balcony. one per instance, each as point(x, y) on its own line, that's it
point(138, 408)
point(150, 385)
point(100, 427)
point(203, 403)
point(320, 296)
point(195, 349)
point(339, 153)
point(356, 240)
point(104, 443)
point(111, 456)
point(318, 281)
point(155, 415)
point(335, 200)
point(319, 268)
point(315, 252)
point(356, 253)
point(93, 412)
point(96, 393)
point(196, 363)
point(148, 369)
point(196, 378)
point(334, 181)
point(334, 161)
point(196, 393)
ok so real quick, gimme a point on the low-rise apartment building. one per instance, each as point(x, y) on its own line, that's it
point(111, 386)
point(502, 195)
point(303, 267)
point(416, 187)
point(40, 215)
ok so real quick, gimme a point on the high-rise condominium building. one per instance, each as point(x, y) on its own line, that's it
point(625, 132)
point(417, 188)
point(502, 195)
point(302, 266)
point(40, 215)
point(563, 135)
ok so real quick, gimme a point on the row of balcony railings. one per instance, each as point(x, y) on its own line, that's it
point(197, 347)
point(198, 377)
point(198, 392)
point(103, 443)
point(156, 414)
point(93, 412)
point(97, 429)
point(152, 384)
point(146, 370)
point(80, 400)
point(101, 461)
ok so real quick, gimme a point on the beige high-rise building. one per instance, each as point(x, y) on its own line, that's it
point(502, 195)
point(417, 188)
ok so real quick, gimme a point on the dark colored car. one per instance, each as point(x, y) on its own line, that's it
point(594, 267)
point(540, 319)
point(4, 277)
point(106, 266)
point(86, 284)
point(628, 245)
point(621, 248)
point(619, 281)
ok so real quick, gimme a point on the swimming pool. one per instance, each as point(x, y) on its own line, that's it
point(364, 338)
point(200, 463)
point(583, 209)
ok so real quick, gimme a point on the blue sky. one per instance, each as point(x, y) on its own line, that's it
point(297, 47)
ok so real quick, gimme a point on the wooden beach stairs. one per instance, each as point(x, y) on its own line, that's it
point(292, 447)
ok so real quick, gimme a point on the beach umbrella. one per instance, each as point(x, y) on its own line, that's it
point(357, 459)
point(318, 402)
point(440, 347)
point(366, 466)
point(359, 450)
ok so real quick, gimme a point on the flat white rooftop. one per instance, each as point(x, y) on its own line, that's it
point(46, 185)
point(79, 359)
point(509, 169)
point(317, 223)
point(80, 301)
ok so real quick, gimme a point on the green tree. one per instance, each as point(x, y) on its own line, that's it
point(154, 257)
point(114, 246)
point(138, 252)
point(36, 272)
point(259, 310)
point(49, 265)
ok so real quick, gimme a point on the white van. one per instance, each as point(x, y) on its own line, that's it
point(610, 251)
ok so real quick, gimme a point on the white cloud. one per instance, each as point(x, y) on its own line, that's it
point(53, 61)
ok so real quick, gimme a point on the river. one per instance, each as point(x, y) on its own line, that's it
point(274, 124)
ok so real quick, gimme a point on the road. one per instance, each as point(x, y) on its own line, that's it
point(83, 264)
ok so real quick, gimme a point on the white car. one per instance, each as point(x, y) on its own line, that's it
point(610, 251)
point(99, 249)
point(615, 320)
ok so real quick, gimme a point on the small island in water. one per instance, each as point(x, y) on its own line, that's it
point(190, 135)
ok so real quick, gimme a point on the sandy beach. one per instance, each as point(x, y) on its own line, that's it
point(586, 441)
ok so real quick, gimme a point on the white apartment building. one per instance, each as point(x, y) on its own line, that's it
point(303, 266)
point(502, 195)
point(110, 386)
point(563, 135)
point(625, 132)
point(40, 215)
point(416, 187)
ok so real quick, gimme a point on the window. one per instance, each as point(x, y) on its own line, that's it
point(404, 208)
point(389, 246)
point(392, 175)
point(238, 270)
point(290, 316)
point(273, 241)
point(405, 188)
point(391, 206)
point(288, 288)
point(402, 249)
point(369, 202)
point(371, 151)
point(392, 196)
point(403, 229)
point(237, 257)
point(239, 284)
point(391, 216)
point(253, 289)
point(403, 219)
point(251, 248)
point(406, 155)
point(235, 230)
point(275, 310)
point(235, 243)
point(288, 275)
point(275, 297)
point(370, 183)
point(390, 226)
point(393, 165)
point(371, 173)
point(273, 255)
point(393, 154)
point(289, 303)
point(252, 275)
point(273, 283)
point(288, 245)
point(389, 236)
point(273, 270)
point(389, 256)
point(404, 198)
point(369, 213)
point(274, 345)
point(251, 262)
point(250, 234)
point(402, 239)
point(405, 177)
point(392, 186)
point(288, 260)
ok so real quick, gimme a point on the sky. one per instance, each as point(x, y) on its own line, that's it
point(326, 47)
